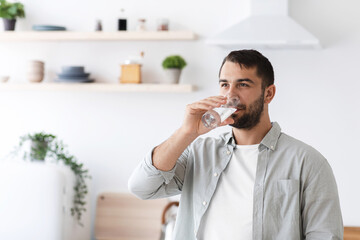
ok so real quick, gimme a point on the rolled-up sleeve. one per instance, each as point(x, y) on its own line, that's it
point(148, 182)
point(320, 206)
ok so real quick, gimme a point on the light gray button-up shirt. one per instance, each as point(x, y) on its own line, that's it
point(295, 193)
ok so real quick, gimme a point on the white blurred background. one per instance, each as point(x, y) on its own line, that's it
point(111, 132)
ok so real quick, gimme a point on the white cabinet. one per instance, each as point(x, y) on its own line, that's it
point(35, 202)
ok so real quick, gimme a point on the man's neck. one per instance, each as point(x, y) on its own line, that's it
point(254, 135)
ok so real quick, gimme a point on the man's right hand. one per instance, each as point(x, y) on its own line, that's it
point(192, 124)
point(166, 154)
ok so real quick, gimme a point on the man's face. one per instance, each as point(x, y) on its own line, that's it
point(246, 85)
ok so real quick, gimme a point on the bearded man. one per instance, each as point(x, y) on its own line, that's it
point(252, 183)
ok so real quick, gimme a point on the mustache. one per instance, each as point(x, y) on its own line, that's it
point(235, 103)
point(241, 106)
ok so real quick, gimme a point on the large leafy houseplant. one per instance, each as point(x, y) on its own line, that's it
point(47, 146)
point(9, 12)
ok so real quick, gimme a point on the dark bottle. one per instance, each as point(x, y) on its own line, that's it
point(98, 25)
point(122, 22)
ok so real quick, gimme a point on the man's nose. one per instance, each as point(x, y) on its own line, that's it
point(233, 98)
point(232, 94)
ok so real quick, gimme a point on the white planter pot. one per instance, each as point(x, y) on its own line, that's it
point(172, 75)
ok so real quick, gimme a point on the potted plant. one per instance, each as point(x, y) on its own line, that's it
point(39, 145)
point(9, 12)
point(47, 146)
point(173, 65)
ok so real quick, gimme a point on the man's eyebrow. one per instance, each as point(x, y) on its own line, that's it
point(239, 80)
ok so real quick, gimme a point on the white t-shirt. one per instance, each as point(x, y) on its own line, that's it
point(230, 213)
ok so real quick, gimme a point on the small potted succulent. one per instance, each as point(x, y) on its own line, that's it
point(9, 12)
point(173, 65)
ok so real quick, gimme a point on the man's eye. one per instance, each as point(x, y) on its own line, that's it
point(243, 85)
point(224, 85)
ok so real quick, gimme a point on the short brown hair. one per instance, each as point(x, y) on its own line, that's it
point(252, 58)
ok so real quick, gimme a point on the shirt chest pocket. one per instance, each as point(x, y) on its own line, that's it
point(287, 186)
point(287, 198)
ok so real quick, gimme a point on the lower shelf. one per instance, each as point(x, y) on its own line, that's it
point(97, 87)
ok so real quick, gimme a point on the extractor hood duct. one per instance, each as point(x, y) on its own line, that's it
point(268, 26)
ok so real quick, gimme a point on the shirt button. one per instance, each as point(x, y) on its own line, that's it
point(272, 147)
point(228, 152)
point(204, 203)
point(215, 174)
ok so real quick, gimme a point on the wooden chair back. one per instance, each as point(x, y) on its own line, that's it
point(122, 216)
point(351, 233)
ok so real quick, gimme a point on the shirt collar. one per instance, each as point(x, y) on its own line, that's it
point(229, 139)
point(269, 141)
point(271, 138)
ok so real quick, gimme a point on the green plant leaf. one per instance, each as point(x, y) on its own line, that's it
point(174, 61)
point(11, 10)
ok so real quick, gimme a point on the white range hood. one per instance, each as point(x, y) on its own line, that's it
point(268, 26)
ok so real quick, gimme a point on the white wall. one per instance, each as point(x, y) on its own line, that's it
point(316, 99)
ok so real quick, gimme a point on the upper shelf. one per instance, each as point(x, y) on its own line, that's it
point(98, 87)
point(95, 36)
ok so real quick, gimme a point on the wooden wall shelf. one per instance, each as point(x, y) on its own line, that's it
point(97, 87)
point(96, 36)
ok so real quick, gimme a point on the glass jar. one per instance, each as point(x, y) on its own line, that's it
point(141, 25)
point(163, 24)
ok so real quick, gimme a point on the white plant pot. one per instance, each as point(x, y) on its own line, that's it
point(172, 75)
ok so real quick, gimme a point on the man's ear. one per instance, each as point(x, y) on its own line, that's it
point(269, 93)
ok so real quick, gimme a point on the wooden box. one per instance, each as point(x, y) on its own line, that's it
point(130, 73)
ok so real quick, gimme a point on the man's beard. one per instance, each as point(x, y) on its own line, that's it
point(252, 117)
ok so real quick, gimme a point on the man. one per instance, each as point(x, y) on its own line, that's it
point(253, 183)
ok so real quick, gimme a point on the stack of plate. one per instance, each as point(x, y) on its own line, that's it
point(73, 74)
point(48, 28)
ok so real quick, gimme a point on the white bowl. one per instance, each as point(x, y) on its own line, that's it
point(35, 77)
point(35, 62)
point(31, 65)
point(35, 66)
point(35, 71)
point(4, 79)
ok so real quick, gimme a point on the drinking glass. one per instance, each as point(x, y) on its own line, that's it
point(213, 118)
